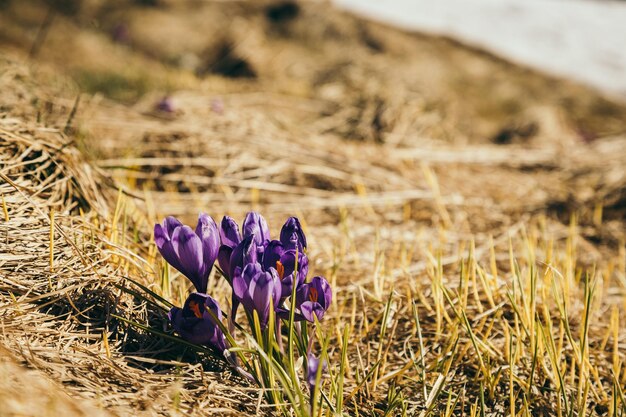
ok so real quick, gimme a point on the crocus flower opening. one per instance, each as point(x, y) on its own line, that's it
point(257, 290)
point(194, 323)
point(193, 253)
point(284, 262)
point(314, 298)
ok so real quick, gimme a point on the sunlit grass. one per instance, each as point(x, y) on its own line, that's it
point(525, 327)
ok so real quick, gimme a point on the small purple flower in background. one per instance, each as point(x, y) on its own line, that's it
point(193, 253)
point(314, 298)
point(121, 33)
point(195, 325)
point(257, 290)
point(166, 105)
point(217, 106)
point(312, 365)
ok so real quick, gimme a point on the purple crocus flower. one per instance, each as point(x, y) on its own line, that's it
point(256, 235)
point(257, 290)
point(121, 33)
point(191, 252)
point(314, 298)
point(292, 236)
point(194, 324)
point(255, 225)
point(217, 106)
point(166, 105)
point(284, 261)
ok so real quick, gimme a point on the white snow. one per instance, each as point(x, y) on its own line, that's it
point(584, 40)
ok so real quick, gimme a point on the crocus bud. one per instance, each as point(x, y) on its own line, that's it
point(193, 253)
point(256, 226)
point(257, 290)
point(229, 232)
point(292, 236)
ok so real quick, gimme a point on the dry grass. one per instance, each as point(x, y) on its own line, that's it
point(472, 277)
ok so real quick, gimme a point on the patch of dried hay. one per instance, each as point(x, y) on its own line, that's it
point(61, 268)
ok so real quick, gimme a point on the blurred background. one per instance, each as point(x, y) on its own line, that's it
point(184, 98)
point(581, 39)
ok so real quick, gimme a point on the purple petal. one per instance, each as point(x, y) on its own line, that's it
point(240, 286)
point(261, 290)
point(223, 258)
point(276, 287)
point(160, 236)
point(318, 291)
point(203, 301)
point(288, 260)
point(166, 105)
point(164, 245)
point(302, 293)
point(312, 368)
point(312, 364)
point(188, 248)
point(229, 232)
point(243, 284)
point(250, 254)
point(209, 236)
point(309, 309)
point(170, 224)
point(175, 316)
point(283, 313)
point(286, 287)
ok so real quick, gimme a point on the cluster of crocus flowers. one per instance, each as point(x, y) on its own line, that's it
point(268, 278)
point(263, 272)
